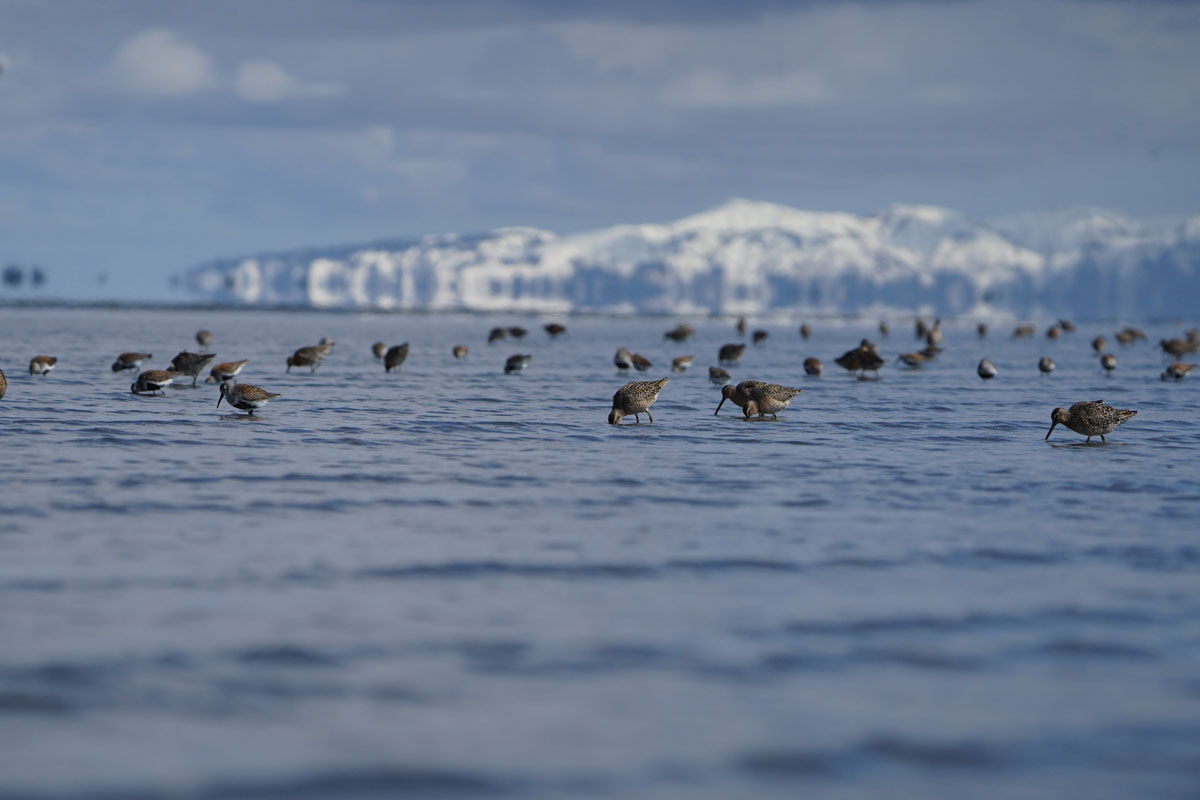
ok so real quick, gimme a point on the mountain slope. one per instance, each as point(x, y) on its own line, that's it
point(751, 257)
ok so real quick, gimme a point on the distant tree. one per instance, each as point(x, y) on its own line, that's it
point(13, 275)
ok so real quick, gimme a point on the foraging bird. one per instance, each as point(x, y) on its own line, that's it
point(1067, 325)
point(623, 359)
point(460, 351)
point(1046, 365)
point(860, 359)
point(1053, 331)
point(640, 362)
point(496, 335)
point(805, 331)
point(933, 339)
point(309, 356)
point(986, 369)
point(981, 329)
point(759, 336)
point(681, 363)
point(884, 330)
point(739, 395)
point(731, 353)
point(517, 332)
point(1178, 370)
point(1090, 418)
point(635, 398)
point(3, 384)
point(204, 338)
point(130, 361)
point(225, 371)
point(718, 375)
point(516, 363)
point(378, 349)
point(813, 366)
point(192, 364)
point(680, 333)
point(1108, 361)
point(741, 326)
point(1025, 330)
point(914, 360)
point(153, 380)
point(244, 396)
point(920, 328)
point(395, 356)
point(1178, 347)
point(770, 399)
point(1099, 343)
point(40, 365)
point(555, 329)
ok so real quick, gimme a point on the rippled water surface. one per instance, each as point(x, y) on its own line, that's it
point(451, 582)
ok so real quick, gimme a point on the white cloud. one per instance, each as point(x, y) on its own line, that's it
point(158, 62)
point(263, 81)
point(711, 89)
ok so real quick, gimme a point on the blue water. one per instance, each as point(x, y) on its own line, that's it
point(448, 582)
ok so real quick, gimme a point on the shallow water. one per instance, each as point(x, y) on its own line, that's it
point(451, 582)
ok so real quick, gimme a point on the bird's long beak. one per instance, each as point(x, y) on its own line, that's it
point(1052, 424)
point(219, 399)
point(718, 411)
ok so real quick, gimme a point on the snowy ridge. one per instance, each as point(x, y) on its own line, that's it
point(751, 257)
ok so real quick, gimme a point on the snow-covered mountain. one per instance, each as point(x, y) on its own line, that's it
point(752, 257)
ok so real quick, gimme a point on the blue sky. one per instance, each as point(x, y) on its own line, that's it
point(140, 137)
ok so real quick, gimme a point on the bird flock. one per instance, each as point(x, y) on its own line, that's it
point(756, 399)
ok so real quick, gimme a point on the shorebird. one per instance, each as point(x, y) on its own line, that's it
point(1024, 330)
point(394, 357)
point(1053, 331)
point(309, 356)
point(40, 365)
point(920, 328)
point(813, 366)
point(204, 338)
point(1090, 418)
point(680, 333)
point(130, 361)
point(1108, 361)
point(741, 326)
point(681, 363)
point(225, 371)
point(516, 363)
point(914, 360)
point(496, 335)
point(981, 329)
point(933, 339)
point(739, 395)
point(1099, 343)
point(1178, 347)
point(635, 398)
point(3, 384)
point(718, 375)
point(1067, 325)
point(244, 396)
point(640, 362)
point(1178, 370)
point(1129, 335)
point(378, 349)
point(153, 380)
point(769, 399)
point(460, 351)
point(805, 331)
point(759, 336)
point(191, 364)
point(517, 332)
point(1046, 365)
point(884, 330)
point(555, 329)
point(623, 359)
point(986, 369)
point(731, 353)
point(861, 359)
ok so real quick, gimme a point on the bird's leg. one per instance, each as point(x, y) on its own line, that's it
point(1103, 439)
point(1088, 440)
point(648, 414)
